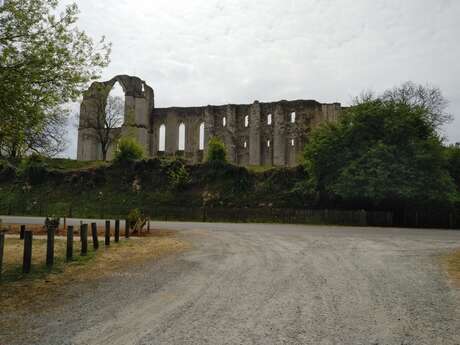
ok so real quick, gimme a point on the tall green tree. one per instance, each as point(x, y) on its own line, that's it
point(453, 163)
point(426, 97)
point(45, 61)
point(381, 151)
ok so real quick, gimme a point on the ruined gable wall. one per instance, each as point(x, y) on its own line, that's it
point(261, 133)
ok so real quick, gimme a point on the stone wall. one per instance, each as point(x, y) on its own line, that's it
point(261, 133)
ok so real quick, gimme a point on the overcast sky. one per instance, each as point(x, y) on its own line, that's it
point(199, 52)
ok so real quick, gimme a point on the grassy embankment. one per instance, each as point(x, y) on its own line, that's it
point(95, 189)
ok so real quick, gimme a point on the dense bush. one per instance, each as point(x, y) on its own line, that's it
point(453, 163)
point(178, 176)
point(7, 171)
point(33, 169)
point(135, 216)
point(216, 151)
point(128, 150)
point(380, 152)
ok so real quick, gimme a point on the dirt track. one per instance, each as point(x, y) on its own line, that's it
point(267, 284)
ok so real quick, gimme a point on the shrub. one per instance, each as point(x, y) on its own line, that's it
point(453, 163)
point(133, 216)
point(128, 150)
point(136, 220)
point(216, 151)
point(34, 169)
point(7, 171)
point(178, 176)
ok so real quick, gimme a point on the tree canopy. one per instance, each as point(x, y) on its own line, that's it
point(381, 151)
point(45, 61)
point(453, 163)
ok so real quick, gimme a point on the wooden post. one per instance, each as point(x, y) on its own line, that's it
point(95, 237)
point(107, 232)
point(126, 228)
point(50, 231)
point(84, 239)
point(69, 252)
point(117, 230)
point(27, 258)
point(21, 232)
point(2, 246)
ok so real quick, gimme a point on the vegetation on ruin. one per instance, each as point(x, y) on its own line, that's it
point(45, 61)
point(216, 151)
point(128, 150)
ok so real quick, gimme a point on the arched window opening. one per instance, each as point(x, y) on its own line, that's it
point(162, 138)
point(245, 145)
point(181, 146)
point(115, 107)
point(268, 143)
point(246, 121)
point(269, 119)
point(224, 121)
point(293, 117)
point(292, 142)
point(201, 145)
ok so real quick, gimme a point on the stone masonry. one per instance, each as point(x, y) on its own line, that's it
point(260, 133)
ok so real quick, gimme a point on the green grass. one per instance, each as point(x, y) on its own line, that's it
point(72, 164)
point(258, 168)
point(453, 266)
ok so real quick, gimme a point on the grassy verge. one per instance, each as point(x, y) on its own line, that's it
point(18, 290)
point(453, 267)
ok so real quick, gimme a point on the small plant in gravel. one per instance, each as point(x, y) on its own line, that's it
point(136, 220)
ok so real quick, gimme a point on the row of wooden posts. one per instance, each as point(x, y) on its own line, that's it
point(26, 236)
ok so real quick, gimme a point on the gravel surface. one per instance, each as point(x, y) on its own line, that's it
point(264, 284)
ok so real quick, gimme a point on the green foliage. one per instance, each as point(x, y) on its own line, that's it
point(33, 169)
point(453, 163)
point(45, 62)
point(7, 171)
point(134, 216)
point(178, 176)
point(128, 150)
point(64, 164)
point(216, 151)
point(379, 151)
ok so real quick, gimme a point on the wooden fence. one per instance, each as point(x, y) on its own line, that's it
point(447, 219)
point(423, 218)
point(27, 237)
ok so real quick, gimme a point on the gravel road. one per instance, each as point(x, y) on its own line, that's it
point(265, 284)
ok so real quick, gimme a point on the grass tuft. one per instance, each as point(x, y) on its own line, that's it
point(453, 267)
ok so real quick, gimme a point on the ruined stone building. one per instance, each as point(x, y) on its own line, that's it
point(260, 133)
